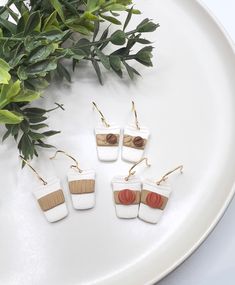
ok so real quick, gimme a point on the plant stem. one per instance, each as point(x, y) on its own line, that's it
point(105, 40)
point(11, 39)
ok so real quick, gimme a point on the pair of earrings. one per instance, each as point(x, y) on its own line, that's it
point(146, 200)
point(50, 195)
point(108, 139)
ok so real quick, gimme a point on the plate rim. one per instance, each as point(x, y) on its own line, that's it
point(231, 194)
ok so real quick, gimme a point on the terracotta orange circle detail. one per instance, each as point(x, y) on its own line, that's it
point(154, 200)
point(126, 196)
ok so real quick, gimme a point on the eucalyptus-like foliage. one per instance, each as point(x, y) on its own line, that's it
point(32, 50)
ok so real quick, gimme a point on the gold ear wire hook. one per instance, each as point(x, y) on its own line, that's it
point(132, 173)
point(165, 177)
point(101, 115)
point(38, 176)
point(72, 166)
point(136, 117)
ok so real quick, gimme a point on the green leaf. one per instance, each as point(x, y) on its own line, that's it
point(8, 117)
point(41, 53)
point(38, 126)
point(39, 119)
point(4, 74)
point(26, 96)
point(26, 146)
point(103, 58)
point(144, 56)
point(89, 16)
point(115, 62)
point(24, 125)
point(38, 68)
point(44, 145)
point(115, 7)
point(32, 22)
point(78, 53)
point(84, 45)
point(8, 26)
point(79, 28)
point(97, 70)
point(91, 5)
point(58, 7)
point(51, 23)
point(54, 35)
point(36, 136)
point(128, 18)
point(6, 135)
point(34, 111)
point(118, 38)
point(143, 41)
point(63, 72)
point(37, 84)
point(146, 26)
point(51, 133)
point(13, 90)
point(130, 70)
point(111, 19)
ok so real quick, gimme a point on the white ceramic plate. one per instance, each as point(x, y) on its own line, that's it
point(187, 100)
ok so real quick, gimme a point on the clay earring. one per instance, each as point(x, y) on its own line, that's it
point(81, 184)
point(107, 139)
point(154, 197)
point(134, 140)
point(50, 197)
point(126, 190)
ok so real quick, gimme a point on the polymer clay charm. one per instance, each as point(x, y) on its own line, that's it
point(107, 139)
point(50, 197)
point(126, 196)
point(154, 198)
point(81, 184)
point(126, 193)
point(107, 142)
point(135, 139)
point(51, 200)
point(82, 188)
point(134, 142)
point(153, 201)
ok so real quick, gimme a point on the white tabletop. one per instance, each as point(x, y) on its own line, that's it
point(214, 262)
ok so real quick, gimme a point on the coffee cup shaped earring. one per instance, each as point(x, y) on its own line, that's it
point(107, 139)
point(81, 184)
point(126, 192)
point(134, 140)
point(154, 197)
point(50, 197)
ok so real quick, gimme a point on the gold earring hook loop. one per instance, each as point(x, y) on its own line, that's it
point(133, 172)
point(136, 116)
point(165, 177)
point(101, 115)
point(66, 154)
point(30, 166)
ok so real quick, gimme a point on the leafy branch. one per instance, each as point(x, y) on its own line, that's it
point(41, 35)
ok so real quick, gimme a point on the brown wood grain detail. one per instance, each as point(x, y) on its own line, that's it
point(101, 140)
point(82, 186)
point(128, 142)
point(51, 200)
point(137, 198)
point(144, 194)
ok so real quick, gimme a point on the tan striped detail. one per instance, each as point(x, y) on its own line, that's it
point(144, 194)
point(137, 198)
point(101, 140)
point(128, 142)
point(51, 200)
point(82, 186)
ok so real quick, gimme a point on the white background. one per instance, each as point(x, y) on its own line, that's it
point(214, 262)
